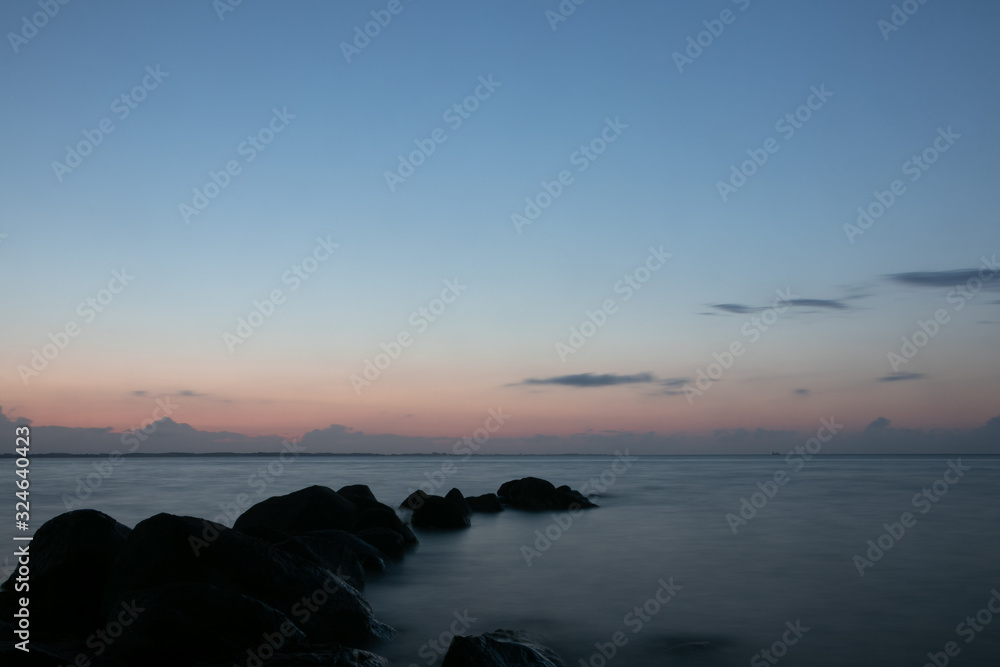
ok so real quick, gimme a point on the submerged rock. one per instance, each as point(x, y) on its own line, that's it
point(532, 493)
point(500, 648)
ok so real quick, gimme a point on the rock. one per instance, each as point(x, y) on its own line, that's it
point(532, 493)
point(456, 497)
point(414, 501)
point(187, 624)
point(70, 559)
point(346, 555)
point(311, 508)
point(167, 549)
point(360, 495)
point(438, 512)
point(487, 503)
point(500, 648)
point(382, 516)
point(386, 540)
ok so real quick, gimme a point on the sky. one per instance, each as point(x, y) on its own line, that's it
point(693, 227)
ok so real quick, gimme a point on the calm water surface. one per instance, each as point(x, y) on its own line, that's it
point(663, 519)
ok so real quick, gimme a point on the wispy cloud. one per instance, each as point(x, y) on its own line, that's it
point(591, 380)
point(941, 278)
point(897, 377)
point(879, 424)
point(802, 392)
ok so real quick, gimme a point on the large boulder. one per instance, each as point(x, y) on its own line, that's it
point(414, 501)
point(486, 503)
point(347, 555)
point(456, 497)
point(70, 559)
point(167, 549)
point(382, 516)
point(187, 624)
point(438, 512)
point(532, 493)
point(500, 648)
point(386, 540)
point(311, 508)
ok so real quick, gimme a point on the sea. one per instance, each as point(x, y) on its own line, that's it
point(688, 561)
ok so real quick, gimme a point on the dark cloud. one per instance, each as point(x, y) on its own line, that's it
point(801, 392)
point(736, 308)
point(818, 303)
point(592, 380)
point(942, 278)
point(188, 393)
point(743, 309)
point(675, 382)
point(896, 377)
point(140, 392)
point(878, 424)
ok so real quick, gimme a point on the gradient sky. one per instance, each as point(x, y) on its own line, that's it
point(323, 176)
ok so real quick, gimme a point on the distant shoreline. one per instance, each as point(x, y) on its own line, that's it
point(181, 455)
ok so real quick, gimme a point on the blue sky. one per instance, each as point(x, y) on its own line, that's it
point(324, 176)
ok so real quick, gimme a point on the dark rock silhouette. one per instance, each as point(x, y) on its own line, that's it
point(438, 512)
point(382, 516)
point(338, 551)
point(414, 501)
point(532, 493)
point(71, 557)
point(456, 497)
point(187, 624)
point(311, 508)
point(486, 503)
point(167, 549)
point(386, 540)
point(500, 648)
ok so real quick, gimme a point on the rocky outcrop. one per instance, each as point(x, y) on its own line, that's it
point(167, 549)
point(532, 493)
point(71, 557)
point(312, 508)
point(438, 512)
point(500, 648)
